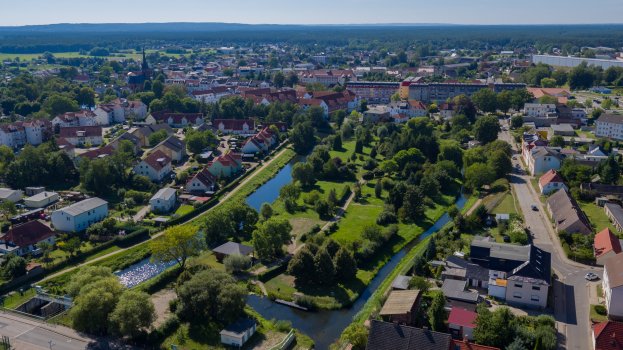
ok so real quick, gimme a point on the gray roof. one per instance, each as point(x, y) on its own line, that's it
point(401, 282)
point(41, 195)
point(173, 143)
point(566, 213)
point(455, 289)
point(391, 336)
point(503, 251)
point(616, 211)
point(6, 192)
point(237, 328)
point(610, 118)
point(164, 193)
point(232, 248)
point(84, 206)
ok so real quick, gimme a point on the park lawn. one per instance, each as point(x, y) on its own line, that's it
point(184, 209)
point(207, 259)
point(355, 219)
point(596, 215)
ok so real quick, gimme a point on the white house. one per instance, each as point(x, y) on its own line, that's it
point(41, 200)
point(82, 135)
point(79, 216)
point(238, 333)
point(175, 120)
point(542, 159)
point(155, 166)
point(613, 286)
point(104, 114)
point(234, 126)
point(609, 125)
point(226, 165)
point(260, 142)
point(13, 136)
point(80, 118)
point(22, 239)
point(539, 109)
point(163, 201)
point(202, 182)
point(7, 194)
point(551, 181)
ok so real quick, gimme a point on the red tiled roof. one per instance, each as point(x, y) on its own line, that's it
point(92, 154)
point(157, 160)
point(205, 177)
point(466, 345)
point(462, 317)
point(72, 131)
point(549, 177)
point(27, 234)
point(606, 241)
point(417, 104)
point(229, 159)
point(608, 335)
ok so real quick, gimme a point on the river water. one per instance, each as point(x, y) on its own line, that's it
point(269, 192)
point(325, 326)
point(141, 272)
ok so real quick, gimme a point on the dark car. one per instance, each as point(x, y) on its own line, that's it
point(534, 207)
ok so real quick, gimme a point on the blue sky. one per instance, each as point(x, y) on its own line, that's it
point(23, 12)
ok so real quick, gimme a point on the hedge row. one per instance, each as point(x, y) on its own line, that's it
point(273, 272)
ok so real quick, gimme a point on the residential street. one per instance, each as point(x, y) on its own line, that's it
point(570, 289)
point(28, 334)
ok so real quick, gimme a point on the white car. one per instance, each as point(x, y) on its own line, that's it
point(591, 276)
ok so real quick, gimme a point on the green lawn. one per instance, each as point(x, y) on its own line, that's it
point(184, 209)
point(16, 299)
point(598, 218)
point(506, 205)
point(596, 317)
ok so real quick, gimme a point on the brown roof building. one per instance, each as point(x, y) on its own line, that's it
point(401, 306)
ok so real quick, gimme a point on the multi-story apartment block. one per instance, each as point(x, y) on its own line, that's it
point(609, 125)
point(373, 91)
point(431, 92)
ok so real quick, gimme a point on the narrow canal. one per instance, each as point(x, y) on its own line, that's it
point(325, 326)
point(269, 192)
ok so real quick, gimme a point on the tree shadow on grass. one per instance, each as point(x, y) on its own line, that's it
point(205, 333)
point(338, 291)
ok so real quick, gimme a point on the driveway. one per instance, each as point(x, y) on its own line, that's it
point(570, 289)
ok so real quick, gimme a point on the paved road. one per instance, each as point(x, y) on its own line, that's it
point(570, 289)
point(25, 333)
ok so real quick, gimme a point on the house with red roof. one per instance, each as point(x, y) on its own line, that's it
point(461, 323)
point(551, 181)
point(226, 165)
point(234, 126)
point(201, 182)
point(467, 345)
point(260, 142)
point(155, 166)
point(22, 239)
point(81, 136)
point(608, 335)
point(606, 245)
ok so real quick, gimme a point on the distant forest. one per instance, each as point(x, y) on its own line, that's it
point(76, 37)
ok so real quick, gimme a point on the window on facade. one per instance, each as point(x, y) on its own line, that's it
point(536, 288)
point(518, 285)
point(534, 297)
point(517, 295)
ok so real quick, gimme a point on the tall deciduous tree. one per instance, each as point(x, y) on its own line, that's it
point(486, 129)
point(134, 311)
point(177, 243)
point(269, 238)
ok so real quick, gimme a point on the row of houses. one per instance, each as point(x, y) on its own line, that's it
point(116, 111)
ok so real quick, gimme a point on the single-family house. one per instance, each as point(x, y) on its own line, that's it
point(173, 147)
point(163, 201)
point(79, 216)
point(202, 182)
point(392, 336)
point(612, 285)
point(543, 159)
point(234, 126)
point(226, 165)
point(238, 333)
point(7, 194)
point(608, 335)
point(82, 135)
point(231, 248)
point(41, 199)
point(461, 323)
point(144, 132)
point(606, 245)
point(260, 142)
point(567, 214)
point(22, 239)
point(401, 306)
point(455, 290)
point(156, 166)
point(615, 213)
point(521, 275)
point(551, 181)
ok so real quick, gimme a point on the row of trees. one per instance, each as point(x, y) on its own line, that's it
point(323, 264)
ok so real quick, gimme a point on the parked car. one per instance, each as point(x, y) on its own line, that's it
point(591, 276)
point(534, 207)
